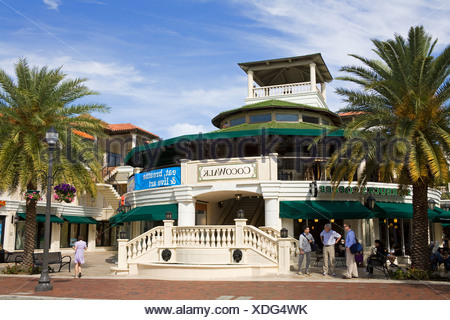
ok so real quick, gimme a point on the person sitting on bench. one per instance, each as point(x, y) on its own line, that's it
point(379, 253)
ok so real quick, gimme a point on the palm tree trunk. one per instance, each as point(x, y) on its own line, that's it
point(419, 254)
point(30, 233)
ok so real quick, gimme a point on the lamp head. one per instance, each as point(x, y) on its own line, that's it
point(51, 136)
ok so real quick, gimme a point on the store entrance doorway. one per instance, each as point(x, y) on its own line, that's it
point(316, 227)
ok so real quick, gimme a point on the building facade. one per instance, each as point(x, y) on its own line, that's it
point(87, 215)
point(265, 158)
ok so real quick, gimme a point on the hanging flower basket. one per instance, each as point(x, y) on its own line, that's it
point(33, 195)
point(65, 192)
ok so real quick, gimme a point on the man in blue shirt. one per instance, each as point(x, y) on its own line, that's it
point(352, 269)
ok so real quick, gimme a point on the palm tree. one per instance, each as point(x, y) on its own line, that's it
point(39, 99)
point(402, 128)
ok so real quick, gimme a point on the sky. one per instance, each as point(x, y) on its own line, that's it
point(170, 66)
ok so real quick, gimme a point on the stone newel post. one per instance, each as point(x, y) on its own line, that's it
point(240, 223)
point(284, 257)
point(122, 254)
point(168, 225)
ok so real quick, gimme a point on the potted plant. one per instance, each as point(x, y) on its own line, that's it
point(33, 195)
point(64, 192)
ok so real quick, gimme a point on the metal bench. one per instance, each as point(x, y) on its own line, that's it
point(53, 258)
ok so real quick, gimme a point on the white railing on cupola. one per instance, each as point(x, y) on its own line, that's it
point(274, 249)
point(284, 89)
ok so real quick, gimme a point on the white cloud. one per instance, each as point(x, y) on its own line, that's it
point(337, 28)
point(180, 129)
point(53, 4)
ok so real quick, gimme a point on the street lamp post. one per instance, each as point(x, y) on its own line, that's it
point(44, 281)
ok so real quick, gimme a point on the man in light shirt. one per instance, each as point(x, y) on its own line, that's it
point(329, 239)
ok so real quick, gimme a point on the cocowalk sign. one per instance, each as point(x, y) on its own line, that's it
point(154, 179)
point(228, 171)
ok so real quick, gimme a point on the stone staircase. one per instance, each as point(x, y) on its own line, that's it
point(110, 194)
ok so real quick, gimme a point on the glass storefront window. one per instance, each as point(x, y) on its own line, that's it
point(20, 235)
point(70, 232)
point(396, 234)
point(105, 237)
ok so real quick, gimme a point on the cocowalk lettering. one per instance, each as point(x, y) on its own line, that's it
point(229, 171)
point(366, 190)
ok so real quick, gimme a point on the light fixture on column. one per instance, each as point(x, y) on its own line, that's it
point(370, 202)
point(240, 214)
point(313, 189)
point(168, 215)
point(15, 218)
point(284, 233)
point(431, 204)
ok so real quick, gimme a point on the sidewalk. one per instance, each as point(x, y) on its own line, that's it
point(98, 283)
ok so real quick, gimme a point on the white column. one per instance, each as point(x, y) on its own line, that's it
point(133, 140)
point(122, 254)
point(284, 256)
point(312, 75)
point(55, 237)
point(250, 83)
point(323, 89)
point(272, 214)
point(184, 171)
point(186, 213)
point(92, 234)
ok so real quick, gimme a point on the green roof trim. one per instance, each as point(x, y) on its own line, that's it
point(315, 132)
point(273, 125)
point(41, 218)
point(324, 210)
point(82, 220)
point(146, 213)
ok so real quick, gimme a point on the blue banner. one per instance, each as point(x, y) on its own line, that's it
point(157, 178)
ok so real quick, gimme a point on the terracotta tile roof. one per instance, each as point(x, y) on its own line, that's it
point(83, 134)
point(127, 127)
point(350, 113)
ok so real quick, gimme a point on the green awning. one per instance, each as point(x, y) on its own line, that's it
point(324, 210)
point(401, 210)
point(76, 219)
point(445, 225)
point(442, 217)
point(41, 218)
point(146, 213)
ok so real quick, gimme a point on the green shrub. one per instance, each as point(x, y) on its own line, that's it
point(21, 269)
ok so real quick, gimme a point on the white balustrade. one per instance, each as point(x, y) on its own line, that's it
point(279, 90)
point(261, 242)
point(204, 236)
point(145, 242)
